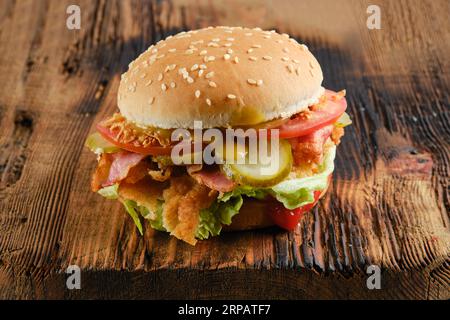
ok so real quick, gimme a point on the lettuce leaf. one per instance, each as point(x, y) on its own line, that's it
point(343, 121)
point(110, 192)
point(219, 213)
point(97, 144)
point(133, 210)
point(157, 223)
point(248, 191)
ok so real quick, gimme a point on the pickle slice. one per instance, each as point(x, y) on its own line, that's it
point(97, 144)
point(268, 170)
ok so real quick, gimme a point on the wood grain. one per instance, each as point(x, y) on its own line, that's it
point(388, 204)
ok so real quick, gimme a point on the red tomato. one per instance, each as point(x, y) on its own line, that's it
point(300, 126)
point(150, 150)
point(288, 219)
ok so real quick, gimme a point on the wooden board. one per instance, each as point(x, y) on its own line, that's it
point(388, 204)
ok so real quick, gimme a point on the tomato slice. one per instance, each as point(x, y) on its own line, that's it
point(150, 150)
point(288, 219)
point(328, 114)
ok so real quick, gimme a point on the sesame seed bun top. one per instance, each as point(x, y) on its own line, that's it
point(222, 76)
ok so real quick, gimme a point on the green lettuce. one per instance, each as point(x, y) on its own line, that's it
point(343, 121)
point(248, 191)
point(110, 192)
point(97, 144)
point(135, 210)
point(218, 214)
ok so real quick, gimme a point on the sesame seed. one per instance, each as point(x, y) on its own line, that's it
point(172, 50)
point(167, 69)
point(208, 102)
point(285, 59)
point(311, 65)
point(211, 58)
point(143, 75)
point(236, 60)
point(251, 81)
point(226, 56)
point(231, 96)
point(194, 67)
point(160, 77)
point(290, 68)
point(213, 44)
point(189, 51)
point(200, 72)
point(212, 84)
point(172, 85)
point(227, 44)
point(266, 37)
point(285, 50)
point(149, 82)
point(163, 87)
point(229, 51)
point(230, 39)
point(252, 58)
point(197, 94)
point(295, 61)
point(267, 58)
point(209, 75)
point(285, 35)
point(172, 66)
point(203, 52)
point(259, 82)
point(192, 47)
point(304, 48)
point(279, 41)
point(160, 56)
point(293, 40)
point(151, 100)
point(190, 80)
point(311, 73)
point(155, 50)
point(297, 71)
point(256, 46)
point(257, 29)
point(203, 66)
point(248, 34)
point(205, 59)
point(249, 50)
point(228, 31)
point(216, 40)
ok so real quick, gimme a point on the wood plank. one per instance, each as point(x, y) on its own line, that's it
point(388, 204)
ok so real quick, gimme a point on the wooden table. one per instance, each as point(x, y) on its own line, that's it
point(388, 205)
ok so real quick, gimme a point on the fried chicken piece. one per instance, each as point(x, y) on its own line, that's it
point(183, 201)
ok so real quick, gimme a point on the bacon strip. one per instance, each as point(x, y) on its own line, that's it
point(213, 178)
point(121, 165)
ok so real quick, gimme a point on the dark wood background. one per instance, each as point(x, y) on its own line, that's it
point(388, 205)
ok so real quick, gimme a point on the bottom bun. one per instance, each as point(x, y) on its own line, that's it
point(253, 214)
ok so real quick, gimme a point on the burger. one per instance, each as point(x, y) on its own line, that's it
point(196, 85)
